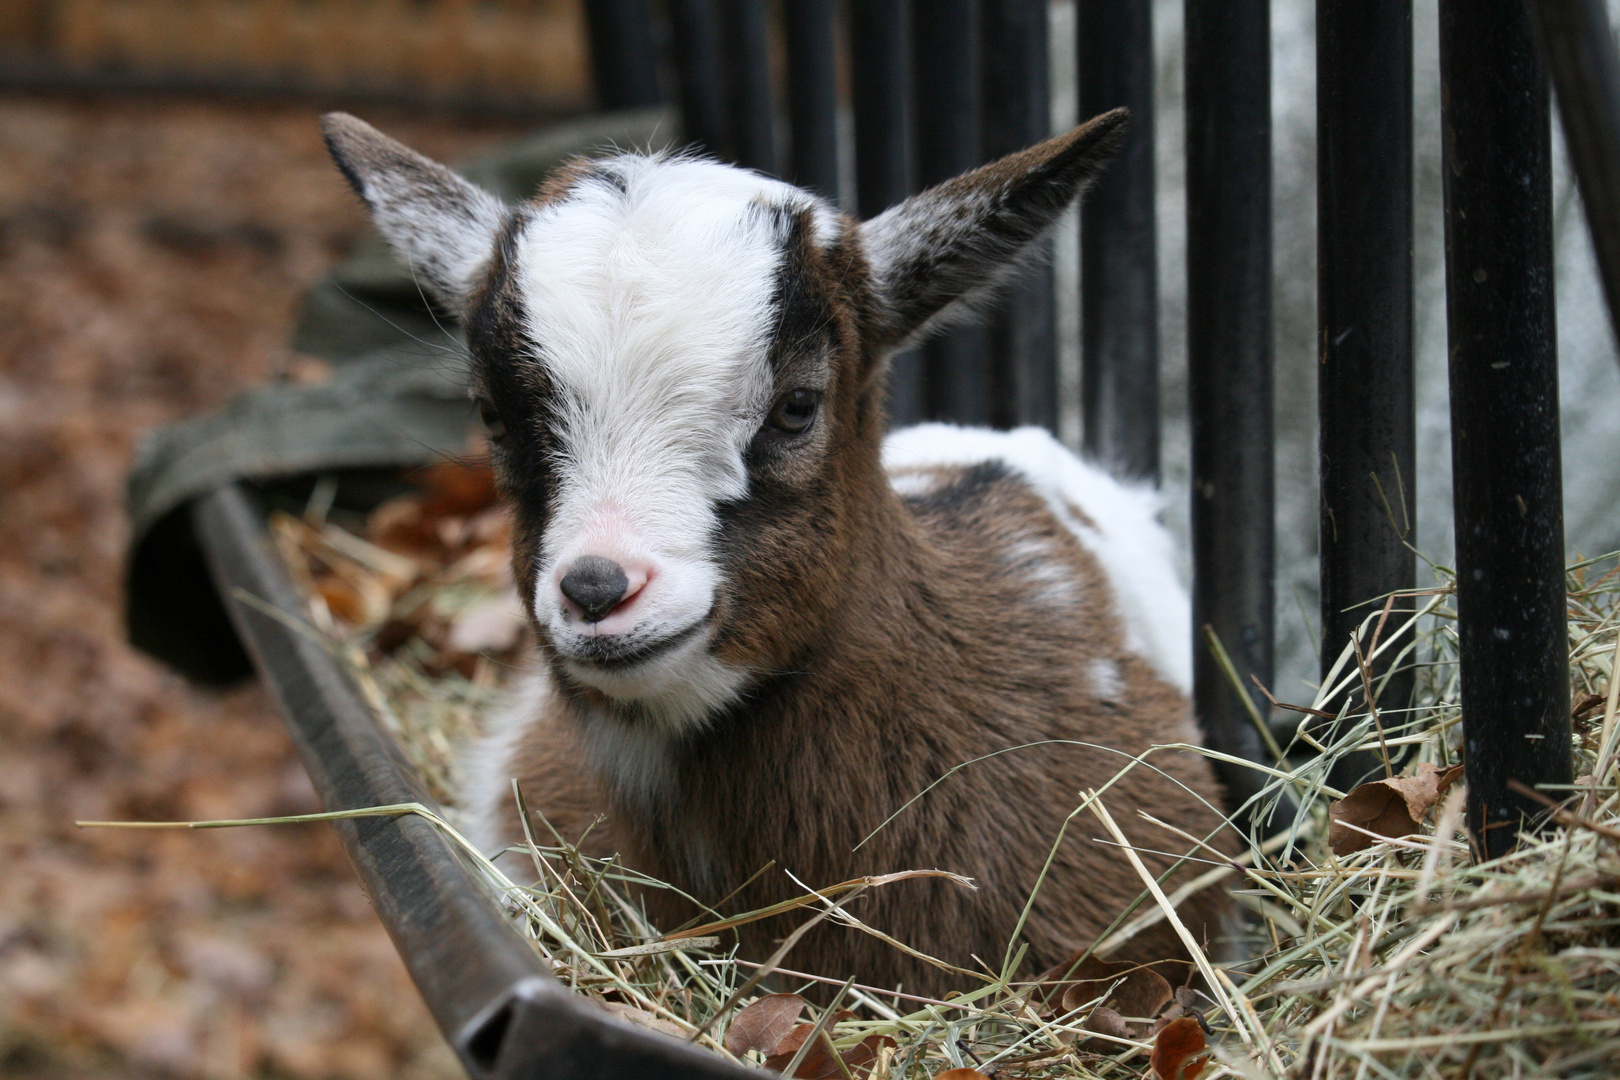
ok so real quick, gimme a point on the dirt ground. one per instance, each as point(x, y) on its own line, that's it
point(152, 256)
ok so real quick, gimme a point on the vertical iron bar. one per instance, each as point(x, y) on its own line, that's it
point(879, 63)
point(697, 65)
point(1119, 262)
point(746, 56)
point(1017, 112)
point(1578, 48)
point(1367, 437)
point(1507, 492)
point(1228, 66)
point(812, 95)
point(880, 87)
point(945, 132)
point(624, 63)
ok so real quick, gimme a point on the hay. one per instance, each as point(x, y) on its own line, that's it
point(1405, 958)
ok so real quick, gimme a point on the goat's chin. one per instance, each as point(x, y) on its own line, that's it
point(672, 681)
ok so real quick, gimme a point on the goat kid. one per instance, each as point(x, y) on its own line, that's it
point(763, 627)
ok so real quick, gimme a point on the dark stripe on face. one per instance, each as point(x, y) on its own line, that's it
point(803, 298)
point(507, 371)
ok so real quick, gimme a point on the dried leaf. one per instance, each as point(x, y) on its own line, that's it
point(1105, 1021)
point(864, 1054)
point(342, 599)
point(1178, 1051)
point(457, 488)
point(961, 1074)
point(1390, 808)
point(817, 1063)
point(1186, 1004)
point(1587, 706)
point(1132, 989)
point(764, 1024)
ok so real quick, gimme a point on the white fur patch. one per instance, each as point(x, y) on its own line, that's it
point(1034, 560)
point(1106, 681)
point(487, 765)
point(1133, 548)
point(652, 303)
point(635, 760)
point(910, 483)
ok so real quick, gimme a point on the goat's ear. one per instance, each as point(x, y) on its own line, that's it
point(941, 253)
point(443, 226)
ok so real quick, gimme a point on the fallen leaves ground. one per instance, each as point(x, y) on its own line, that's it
point(152, 254)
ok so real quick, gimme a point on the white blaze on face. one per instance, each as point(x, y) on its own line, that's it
point(652, 307)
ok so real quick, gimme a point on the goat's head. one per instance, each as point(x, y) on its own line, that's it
point(680, 366)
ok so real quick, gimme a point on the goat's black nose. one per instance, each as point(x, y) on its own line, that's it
point(596, 585)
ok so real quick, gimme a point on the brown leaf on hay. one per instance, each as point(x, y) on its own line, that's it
point(1186, 1004)
point(764, 1024)
point(1178, 1052)
point(820, 1065)
point(1389, 808)
point(961, 1074)
point(436, 518)
point(1105, 1021)
point(342, 599)
point(1132, 989)
point(1586, 707)
point(457, 487)
point(864, 1054)
point(817, 1063)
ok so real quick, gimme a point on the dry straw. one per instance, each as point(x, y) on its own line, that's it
point(1406, 958)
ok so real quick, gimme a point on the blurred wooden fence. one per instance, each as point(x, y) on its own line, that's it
point(500, 53)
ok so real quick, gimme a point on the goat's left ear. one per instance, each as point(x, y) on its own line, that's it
point(445, 227)
point(940, 253)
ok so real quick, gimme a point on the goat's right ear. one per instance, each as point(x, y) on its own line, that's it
point(444, 227)
point(942, 253)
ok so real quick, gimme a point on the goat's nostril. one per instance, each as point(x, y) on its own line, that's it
point(595, 585)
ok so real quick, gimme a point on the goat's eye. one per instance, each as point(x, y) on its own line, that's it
point(494, 426)
point(795, 410)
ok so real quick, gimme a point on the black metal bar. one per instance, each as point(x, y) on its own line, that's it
point(746, 56)
point(880, 90)
point(1578, 49)
point(1367, 435)
point(1119, 263)
point(487, 989)
point(696, 38)
point(812, 95)
point(1228, 65)
point(1017, 112)
point(624, 63)
point(945, 133)
point(1507, 492)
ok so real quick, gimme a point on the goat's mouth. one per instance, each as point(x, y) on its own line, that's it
point(622, 651)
